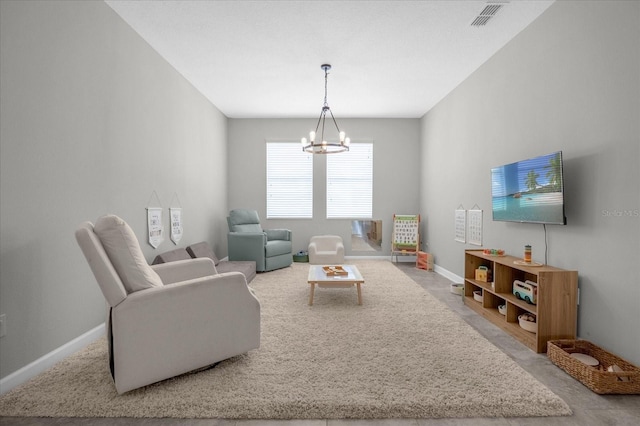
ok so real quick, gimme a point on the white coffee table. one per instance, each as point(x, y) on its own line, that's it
point(318, 276)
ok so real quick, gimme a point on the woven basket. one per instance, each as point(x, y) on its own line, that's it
point(601, 382)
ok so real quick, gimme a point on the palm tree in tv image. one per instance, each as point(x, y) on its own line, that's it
point(554, 173)
point(531, 181)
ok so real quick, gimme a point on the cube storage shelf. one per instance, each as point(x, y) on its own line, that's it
point(556, 309)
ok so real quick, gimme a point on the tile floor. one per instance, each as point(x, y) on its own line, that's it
point(589, 408)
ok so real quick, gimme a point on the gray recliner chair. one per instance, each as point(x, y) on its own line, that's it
point(166, 319)
point(269, 248)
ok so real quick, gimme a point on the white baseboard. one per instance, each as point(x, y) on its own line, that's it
point(365, 257)
point(448, 274)
point(43, 363)
point(398, 259)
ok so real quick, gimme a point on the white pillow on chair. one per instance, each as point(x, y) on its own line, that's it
point(123, 249)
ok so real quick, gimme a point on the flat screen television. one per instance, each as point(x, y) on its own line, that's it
point(529, 191)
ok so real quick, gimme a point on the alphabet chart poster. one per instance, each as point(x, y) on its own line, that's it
point(475, 227)
point(405, 230)
point(461, 225)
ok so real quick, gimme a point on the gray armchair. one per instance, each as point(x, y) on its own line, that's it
point(269, 248)
point(167, 319)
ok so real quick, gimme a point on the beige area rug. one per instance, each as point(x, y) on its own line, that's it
point(402, 354)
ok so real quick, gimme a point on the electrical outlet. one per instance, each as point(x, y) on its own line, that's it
point(3, 325)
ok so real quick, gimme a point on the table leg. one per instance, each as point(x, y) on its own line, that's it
point(359, 294)
point(313, 286)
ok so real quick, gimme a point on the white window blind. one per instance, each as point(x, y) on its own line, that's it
point(289, 181)
point(350, 182)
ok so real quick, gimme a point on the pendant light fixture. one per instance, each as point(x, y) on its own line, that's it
point(321, 145)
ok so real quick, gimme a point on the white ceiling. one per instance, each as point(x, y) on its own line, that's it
point(262, 58)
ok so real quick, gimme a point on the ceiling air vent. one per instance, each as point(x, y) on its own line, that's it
point(487, 13)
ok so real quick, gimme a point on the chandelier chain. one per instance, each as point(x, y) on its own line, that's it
point(326, 73)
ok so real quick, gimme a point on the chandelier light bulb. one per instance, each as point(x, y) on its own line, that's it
point(347, 141)
point(304, 141)
point(312, 136)
point(341, 137)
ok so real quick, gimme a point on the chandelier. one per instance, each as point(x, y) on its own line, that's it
point(322, 146)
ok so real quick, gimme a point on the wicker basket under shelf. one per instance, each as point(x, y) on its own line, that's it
point(601, 382)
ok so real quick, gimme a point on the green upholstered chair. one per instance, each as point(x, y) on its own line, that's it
point(269, 248)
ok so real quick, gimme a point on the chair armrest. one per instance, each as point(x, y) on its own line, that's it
point(247, 246)
point(165, 331)
point(248, 237)
point(278, 234)
point(183, 270)
point(312, 249)
point(168, 297)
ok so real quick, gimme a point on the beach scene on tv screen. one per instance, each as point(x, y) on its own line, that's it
point(529, 190)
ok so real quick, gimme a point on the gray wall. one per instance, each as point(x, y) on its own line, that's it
point(93, 121)
point(570, 82)
point(395, 165)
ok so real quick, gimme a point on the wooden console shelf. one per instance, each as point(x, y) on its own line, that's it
point(556, 309)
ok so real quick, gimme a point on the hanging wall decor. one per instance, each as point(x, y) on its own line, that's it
point(175, 214)
point(475, 226)
point(154, 221)
point(461, 225)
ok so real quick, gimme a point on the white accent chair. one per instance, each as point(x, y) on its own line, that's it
point(326, 250)
point(184, 317)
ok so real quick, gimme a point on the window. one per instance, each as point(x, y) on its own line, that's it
point(289, 181)
point(350, 182)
